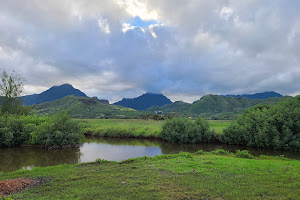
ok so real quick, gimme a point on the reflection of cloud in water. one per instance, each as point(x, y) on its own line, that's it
point(92, 151)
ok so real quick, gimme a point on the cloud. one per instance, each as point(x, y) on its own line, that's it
point(114, 48)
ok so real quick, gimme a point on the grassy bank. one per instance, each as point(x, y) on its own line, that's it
point(121, 127)
point(180, 176)
point(134, 127)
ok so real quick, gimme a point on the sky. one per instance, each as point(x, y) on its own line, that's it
point(185, 49)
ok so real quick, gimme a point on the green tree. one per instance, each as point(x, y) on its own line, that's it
point(185, 130)
point(276, 127)
point(10, 91)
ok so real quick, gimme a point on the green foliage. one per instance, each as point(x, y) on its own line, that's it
point(167, 177)
point(157, 117)
point(10, 91)
point(5, 198)
point(58, 131)
point(221, 152)
point(213, 107)
point(15, 130)
point(276, 127)
point(86, 108)
point(101, 161)
point(185, 130)
point(200, 152)
point(121, 127)
point(243, 154)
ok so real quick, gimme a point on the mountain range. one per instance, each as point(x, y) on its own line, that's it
point(84, 107)
point(211, 106)
point(262, 95)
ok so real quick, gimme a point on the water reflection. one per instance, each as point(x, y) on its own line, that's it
point(116, 149)
point(12, 159)
point(116, 152)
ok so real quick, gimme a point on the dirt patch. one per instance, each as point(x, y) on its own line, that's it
point(12, 186)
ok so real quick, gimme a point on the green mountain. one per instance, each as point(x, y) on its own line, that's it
point(213, 106)
point(54, 93)
point(84, 107)
point(145, 101)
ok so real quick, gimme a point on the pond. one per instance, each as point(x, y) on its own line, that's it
point(115, 149)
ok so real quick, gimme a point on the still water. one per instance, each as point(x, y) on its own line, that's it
point(115, 149)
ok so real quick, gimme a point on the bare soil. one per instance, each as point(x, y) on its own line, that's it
point(12, 186)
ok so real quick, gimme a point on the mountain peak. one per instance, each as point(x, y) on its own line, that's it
point(64, 85)
point(144, 101)
point(53, 93)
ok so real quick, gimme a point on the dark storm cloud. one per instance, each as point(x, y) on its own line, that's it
point(115, 49)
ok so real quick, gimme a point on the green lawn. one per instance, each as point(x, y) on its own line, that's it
point(134, 127)
point(180, 176)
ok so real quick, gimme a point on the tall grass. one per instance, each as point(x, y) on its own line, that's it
point(121, 127)
point(134, 127)
point(219, 125)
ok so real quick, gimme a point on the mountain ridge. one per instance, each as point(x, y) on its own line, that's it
point(260, 95)
point(144, 101)
point(52, 94)
point(213, 106)
point(85, 107)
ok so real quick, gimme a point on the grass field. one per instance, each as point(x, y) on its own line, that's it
point(179, 176)
point(134, 127)
point(219, 125)
point(122, 127)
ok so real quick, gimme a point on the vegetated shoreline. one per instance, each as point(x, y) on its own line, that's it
point(139, 129)
point(215, 175)
point(52, 147)
point(134, 128)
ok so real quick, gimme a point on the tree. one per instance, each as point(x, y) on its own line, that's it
point(10, 91)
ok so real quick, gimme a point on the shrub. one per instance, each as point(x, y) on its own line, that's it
point(185, 154)
point(199, 152)
point(243, 154)
point(221, 152)
point(100, 161)
point(58, 131)
point(15, 130)
point(276, 127)
point(185, 130)
point(157, 117)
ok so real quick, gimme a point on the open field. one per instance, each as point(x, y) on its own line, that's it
point(180, 176)
point(122, 127)
point(134, 127)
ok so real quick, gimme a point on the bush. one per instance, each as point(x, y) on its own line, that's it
point(185, 130)
point(15, 130)
point(276, 127)
point(58, 131)
point(101, 161)
point(243, 154)
point(221, 152)
point(200, 152)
